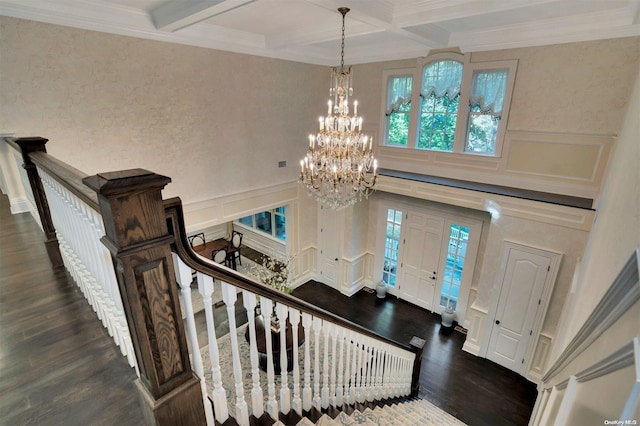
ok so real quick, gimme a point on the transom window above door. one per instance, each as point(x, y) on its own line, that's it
point(461, 106)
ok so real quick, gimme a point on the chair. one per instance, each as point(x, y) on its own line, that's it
point(193, 237)
point(234, 246)
point(220, 256)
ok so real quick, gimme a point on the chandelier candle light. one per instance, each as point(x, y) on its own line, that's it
point(339, 168)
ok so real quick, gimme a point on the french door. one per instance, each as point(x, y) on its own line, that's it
point(429, 258)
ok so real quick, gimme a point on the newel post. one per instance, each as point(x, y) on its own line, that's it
point(136, 234)
point(418, 347)
point(27, 146)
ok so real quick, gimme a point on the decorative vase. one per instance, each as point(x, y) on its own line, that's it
point(381, 290)
point(447, 317)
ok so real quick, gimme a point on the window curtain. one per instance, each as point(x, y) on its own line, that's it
point(398, 93)
point(442, 78)
point(487, 91)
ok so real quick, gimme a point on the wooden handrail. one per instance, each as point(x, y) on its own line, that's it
point(67, 176)
point(63, 173)
point(176, 225)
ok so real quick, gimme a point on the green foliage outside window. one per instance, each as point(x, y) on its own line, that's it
point(399, 126)
point(438, 123)
point(483, 129)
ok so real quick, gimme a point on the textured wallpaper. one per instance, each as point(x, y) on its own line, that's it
point(217, 123)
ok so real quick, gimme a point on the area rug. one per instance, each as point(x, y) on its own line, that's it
point(226, 368)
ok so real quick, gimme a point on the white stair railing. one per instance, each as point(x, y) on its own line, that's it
point(79, 228)
point(338, 365)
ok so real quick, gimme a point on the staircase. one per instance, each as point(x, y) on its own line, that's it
point(399, 412)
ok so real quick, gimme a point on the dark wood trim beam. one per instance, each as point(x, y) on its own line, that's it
point(27, 146)
point(526, 194)
point(136, 234)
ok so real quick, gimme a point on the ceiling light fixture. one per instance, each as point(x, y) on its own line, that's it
point(339, 168)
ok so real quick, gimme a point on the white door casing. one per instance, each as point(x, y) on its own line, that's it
point(329, 245)
point(521, 296)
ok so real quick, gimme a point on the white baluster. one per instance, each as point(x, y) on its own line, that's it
point(266, 306)
point(385, 373)
point(219, 394)
point(325, 365)
point(378, 377)
point(354, 366)
point(307, 324)
point(257, 399)
point(369, 372)
point(285, 394)
point(183, 277)
point(296, 402)
point(340, 388)
point(364, 394)
point(396, 376)
point(229, 296)
point(317, 327)
point(332, 382)
point(360, 369)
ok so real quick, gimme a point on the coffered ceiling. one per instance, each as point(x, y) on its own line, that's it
point(376, 30)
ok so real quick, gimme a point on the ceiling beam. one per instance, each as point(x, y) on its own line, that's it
point(372, 16)
point(178, 14)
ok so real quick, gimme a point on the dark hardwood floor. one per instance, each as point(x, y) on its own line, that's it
point(58, 365)
point(475, 390)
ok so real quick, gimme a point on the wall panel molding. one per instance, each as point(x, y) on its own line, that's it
point(570, 217)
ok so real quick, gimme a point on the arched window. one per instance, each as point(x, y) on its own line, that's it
point(439, 100)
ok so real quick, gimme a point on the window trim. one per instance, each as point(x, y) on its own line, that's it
point(386, 75)
point(511, 66)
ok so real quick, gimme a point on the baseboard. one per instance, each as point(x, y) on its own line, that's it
point(471, 348)
point(19, 205)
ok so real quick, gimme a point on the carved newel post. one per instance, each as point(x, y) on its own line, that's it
point(27, 146)
point(136, 234)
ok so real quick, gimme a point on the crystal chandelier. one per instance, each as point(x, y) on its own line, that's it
point(339, 168)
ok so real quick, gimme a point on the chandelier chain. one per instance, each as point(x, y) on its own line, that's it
point(344, 11)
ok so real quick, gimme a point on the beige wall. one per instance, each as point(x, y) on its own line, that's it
point(216, 122)
point(615, 233)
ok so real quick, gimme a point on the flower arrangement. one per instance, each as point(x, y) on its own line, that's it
point(274, 272)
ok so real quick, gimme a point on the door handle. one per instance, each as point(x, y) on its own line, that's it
point(497, 322)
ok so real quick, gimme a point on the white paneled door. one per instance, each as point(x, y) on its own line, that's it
point(329, 243)
point(520, 295)
point(421, 259)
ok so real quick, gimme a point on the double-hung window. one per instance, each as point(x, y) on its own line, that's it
point(463, 105)
point(398, 110)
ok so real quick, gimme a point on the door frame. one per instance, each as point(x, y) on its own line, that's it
point(474, 222)
point(549, 285)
